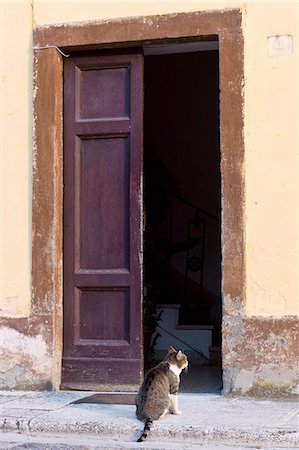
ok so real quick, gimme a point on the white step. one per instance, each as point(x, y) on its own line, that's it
point(196, 338)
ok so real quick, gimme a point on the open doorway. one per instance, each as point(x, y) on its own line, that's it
point(227, 27)
point(182, 203)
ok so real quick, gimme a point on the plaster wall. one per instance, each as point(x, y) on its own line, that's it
point(271, 144)
point(271, 138)
point(71, 11)
point(15, 157)
point(271, 179)
point(271, 158)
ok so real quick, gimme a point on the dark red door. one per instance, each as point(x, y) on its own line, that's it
point(103, 98)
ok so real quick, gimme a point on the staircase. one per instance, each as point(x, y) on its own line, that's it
point(194, 340)
point(175, 264)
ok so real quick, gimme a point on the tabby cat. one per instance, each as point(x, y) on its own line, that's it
point(158, 392)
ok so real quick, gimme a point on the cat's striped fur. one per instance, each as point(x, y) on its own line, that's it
point(158, 392)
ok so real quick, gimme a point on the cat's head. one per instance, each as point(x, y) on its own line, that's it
point(177, 357)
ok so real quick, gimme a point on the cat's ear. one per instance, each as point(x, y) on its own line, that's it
point(171, 350)
point(179, 355)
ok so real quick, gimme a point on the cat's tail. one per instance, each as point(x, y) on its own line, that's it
point(147, 426)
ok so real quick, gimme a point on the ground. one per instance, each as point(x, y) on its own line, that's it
point(70, 442)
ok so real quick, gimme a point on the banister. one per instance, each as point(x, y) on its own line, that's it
point(197, 208)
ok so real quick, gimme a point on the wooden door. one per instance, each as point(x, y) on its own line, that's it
point(103, 101)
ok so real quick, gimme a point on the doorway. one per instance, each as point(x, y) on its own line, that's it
point(47, 274)
point(182, 204)
point(103, 122)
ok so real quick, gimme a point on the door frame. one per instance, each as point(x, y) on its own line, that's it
point(47, 213)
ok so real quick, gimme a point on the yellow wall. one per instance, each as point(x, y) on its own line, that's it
point(272, 151)
point(71, 11)
point(15, 157)
point(271, 143)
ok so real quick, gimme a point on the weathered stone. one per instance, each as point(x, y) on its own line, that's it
point(261, 355)
point(24, 359)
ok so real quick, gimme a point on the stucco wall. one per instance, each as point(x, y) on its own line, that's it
point(271, 150)
point(271, 154)
point(271, 138)
point(15, 157)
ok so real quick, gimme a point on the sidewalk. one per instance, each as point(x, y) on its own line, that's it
point(206, 419)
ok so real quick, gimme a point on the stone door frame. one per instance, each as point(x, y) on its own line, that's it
point(47, 244)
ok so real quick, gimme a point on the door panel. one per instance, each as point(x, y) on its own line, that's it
point(104, 213)
point(103, 98)
point(96, 88)
point(114, 306)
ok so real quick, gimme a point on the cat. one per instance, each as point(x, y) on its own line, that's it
point(158, 393)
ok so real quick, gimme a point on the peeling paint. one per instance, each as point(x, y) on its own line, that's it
point(47, 253)
point(24, 359)
point(233, 306)
point(47, 205)
point(261, 356)
point(235, 325)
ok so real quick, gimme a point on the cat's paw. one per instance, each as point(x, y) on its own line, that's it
point(178, 412)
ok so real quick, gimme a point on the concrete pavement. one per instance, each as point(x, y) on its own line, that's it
point(68, 442)
point(207, 420)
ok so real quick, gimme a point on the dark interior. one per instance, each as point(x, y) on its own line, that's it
point(182, 197)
